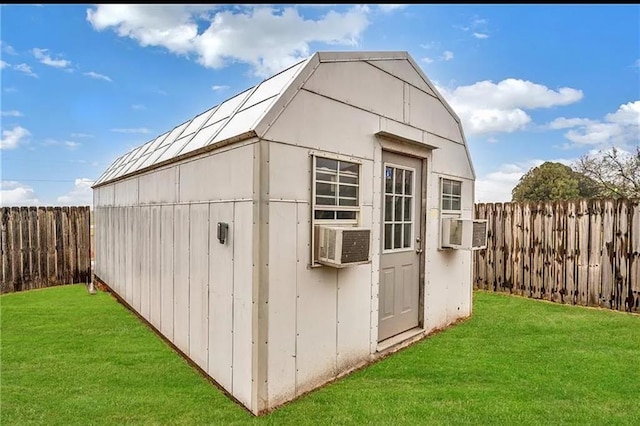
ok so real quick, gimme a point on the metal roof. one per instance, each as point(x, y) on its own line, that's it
point(233, 117)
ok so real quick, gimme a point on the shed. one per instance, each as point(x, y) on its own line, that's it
point(297, 230)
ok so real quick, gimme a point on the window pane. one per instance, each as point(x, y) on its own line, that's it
point(388, 208)
point(348, 168)
point(349, 179)
point(398, 181)
point(398, 209)
point(446, 186)
point(387, 237)
point(325, 214)
point(456, 188)
point(348, 191)
point(348, 202)
point(408, 182)
point(455, 204)
point(446, 203)
point(346, 215)
point(326, 189)
point(325, 163)
point(388, 180)
point(325, 201)
point(397, 236)
point(407, 235)
point(325, 176)
point(407, 208)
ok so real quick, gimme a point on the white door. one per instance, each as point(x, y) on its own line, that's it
point(401, 247)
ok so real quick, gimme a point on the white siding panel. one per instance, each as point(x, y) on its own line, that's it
point(221, 296)
point(282, 302)
point(289, 172)
point(223, 176)
point(452, 160)
point(242, 298)
point(166, 270)
point(126, 192)
point(129, 259)
point(428, 113)
point(181, 277)
point(158, 187)
point(403, 69)
point(320, 123)
point(316, 320)
point(354, 320)
point(144, 236)
point(199, 283)
point(352, 83)
point(154, 268)
point(136, 260)
point(107, 195)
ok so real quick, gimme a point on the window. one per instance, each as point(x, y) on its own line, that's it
point(451, 195)
point(337, 190)
point(398, 207)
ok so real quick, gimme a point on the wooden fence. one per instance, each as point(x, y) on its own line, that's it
point(44, 246)
point(583, 252)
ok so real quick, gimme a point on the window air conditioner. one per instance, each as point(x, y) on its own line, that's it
point(465, 234)
point(343, 246)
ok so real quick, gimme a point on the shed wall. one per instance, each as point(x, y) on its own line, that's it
point(323, 321)
point(158, 249)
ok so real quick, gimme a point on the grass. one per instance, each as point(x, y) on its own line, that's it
point(70, 358)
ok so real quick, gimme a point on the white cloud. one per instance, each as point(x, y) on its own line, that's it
point(487, 107)
point(81, 135)
point(620, 128)
point(217, 88)
point(10, 89)
point(231, 35)
point(447, 55)
point(136, 130)
point(481, 36)
point(496, 187)
point(98, 76)
point(25, 69)
point(11, 139)
point(12, 113)
point(137, 106)
point(430, 45)
point(391, 7)
point(427, 60)
point(14, 193)
point(44, 58)
point(4, 64)
point(7, 48)
point(70, 145)
point(81, 194)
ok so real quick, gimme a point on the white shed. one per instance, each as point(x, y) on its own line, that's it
point(296, 231)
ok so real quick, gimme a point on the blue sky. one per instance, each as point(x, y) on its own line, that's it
point(82, 84)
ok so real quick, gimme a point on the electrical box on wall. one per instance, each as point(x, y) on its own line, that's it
point(343, 246)
point(464, 234)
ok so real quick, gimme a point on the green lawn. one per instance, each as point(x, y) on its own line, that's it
point(70, 358)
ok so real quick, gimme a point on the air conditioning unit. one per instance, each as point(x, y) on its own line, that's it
point(343, 246)
point(465, 234)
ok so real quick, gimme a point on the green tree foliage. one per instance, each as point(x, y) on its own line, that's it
point(616, 172)
point(553, 182)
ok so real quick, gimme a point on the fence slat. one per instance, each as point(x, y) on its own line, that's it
point(608, 255)
point(491, 247)
point(582, 251)
point(516, 248)
point(634, 257)
point(499, 250)
point(559, 255)
point(538, 259)
point(570, 287)
point(622, 247)
point(594, 284)
point(526, 250)
point(507, 213)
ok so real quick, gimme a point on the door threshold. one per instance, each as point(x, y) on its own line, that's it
point(399, 338)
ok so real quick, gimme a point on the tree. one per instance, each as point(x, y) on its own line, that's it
point(553, 182)
point(616, 172)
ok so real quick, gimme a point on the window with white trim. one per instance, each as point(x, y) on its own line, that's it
point(336, 186)
point(451, 199)
point(399, 183)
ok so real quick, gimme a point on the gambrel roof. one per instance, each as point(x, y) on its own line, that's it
point(242, 116)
